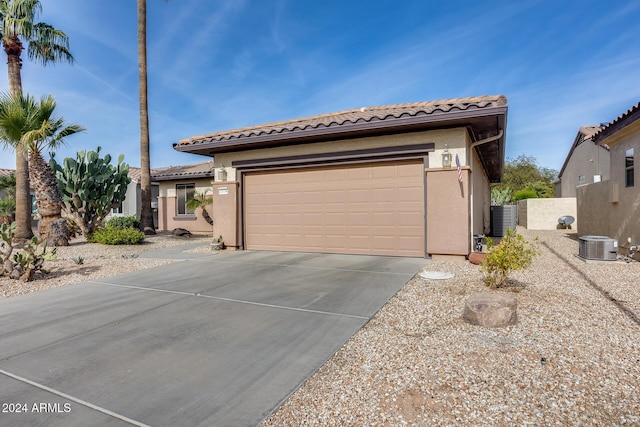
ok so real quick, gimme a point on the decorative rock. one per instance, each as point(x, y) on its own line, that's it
point(181, 232)
point(491, 310)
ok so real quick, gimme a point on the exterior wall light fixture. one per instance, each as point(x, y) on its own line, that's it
point(446, 157)
point(222, 173)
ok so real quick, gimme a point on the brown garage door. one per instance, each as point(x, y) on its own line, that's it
point(355, 209)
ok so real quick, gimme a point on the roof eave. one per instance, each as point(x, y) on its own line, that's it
point(617, 125)
point(159, 178)
point(347, 130)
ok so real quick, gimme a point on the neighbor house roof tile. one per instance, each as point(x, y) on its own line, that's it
point(196, 170)
point(619, 123)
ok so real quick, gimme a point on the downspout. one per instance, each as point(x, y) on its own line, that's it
point(490, 139)
point(475, 144)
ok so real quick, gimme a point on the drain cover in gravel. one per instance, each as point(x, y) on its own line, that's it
point(436, 275)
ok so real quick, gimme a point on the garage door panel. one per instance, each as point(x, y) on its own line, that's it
point(411, 243)
point(368, 209)
point(383, 219)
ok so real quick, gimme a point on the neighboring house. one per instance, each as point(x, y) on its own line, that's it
point(612, 207)
point(586, 163)
point(177, 184)
point(131, 205)
point(365, 181)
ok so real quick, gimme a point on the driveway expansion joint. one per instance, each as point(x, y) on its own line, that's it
point(200, 295)
point(73, 399)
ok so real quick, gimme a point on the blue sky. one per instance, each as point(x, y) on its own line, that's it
point(224, 64)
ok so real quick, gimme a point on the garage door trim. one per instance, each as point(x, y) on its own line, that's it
point(373, 159)
point(367, 155)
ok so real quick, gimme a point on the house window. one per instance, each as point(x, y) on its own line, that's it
point(581, 180)
point(628, 168)
point(183, 193)
point(117, 209)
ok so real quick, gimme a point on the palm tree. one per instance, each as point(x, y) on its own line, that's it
point(201, 200)
point(45, 45)
point(30, 127)
point(146, 214)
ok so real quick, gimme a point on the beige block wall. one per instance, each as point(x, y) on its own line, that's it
point(600, 214)
point(543, 214)
point(592, 205)
point(609, 208)
point(587, 159)
point(167, 209)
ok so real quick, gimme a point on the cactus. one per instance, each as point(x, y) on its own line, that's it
point(90, 187)
point(26, 262)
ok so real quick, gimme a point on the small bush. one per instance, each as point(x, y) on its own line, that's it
point(124, 222)
point(513, 253)
point(525, 194)
point(117, 236)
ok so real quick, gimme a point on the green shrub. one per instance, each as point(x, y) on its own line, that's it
point(512, 253)
point(116, 236)
point(124, 222)
point(525, 194)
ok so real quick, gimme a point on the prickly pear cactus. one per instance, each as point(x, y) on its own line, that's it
point(90, 187)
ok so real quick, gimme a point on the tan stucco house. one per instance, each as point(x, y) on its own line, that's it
point(132, 204)
point(586, 163)
point(612, 207)
point(177, 184)
point(364, 181)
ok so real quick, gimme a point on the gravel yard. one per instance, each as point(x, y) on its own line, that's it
point(572, 359)
point(98, 261)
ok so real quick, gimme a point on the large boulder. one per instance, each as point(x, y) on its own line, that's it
point(491, 310)
point(181, 232)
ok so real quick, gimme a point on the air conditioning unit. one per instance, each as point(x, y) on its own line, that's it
point(601, 248)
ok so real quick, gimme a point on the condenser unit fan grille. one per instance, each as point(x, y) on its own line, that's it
point(598, 248)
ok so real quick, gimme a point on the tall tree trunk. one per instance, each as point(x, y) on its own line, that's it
point(206, 216)
point(146, 214)
point(13, 49)
point(51, 227)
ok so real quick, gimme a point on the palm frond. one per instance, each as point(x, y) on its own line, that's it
point(18, 18)
point(32, 125)
point(48, 45)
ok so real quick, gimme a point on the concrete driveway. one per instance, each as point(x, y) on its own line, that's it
point(216, 340)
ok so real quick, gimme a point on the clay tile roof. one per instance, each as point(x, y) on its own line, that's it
point(196, 170)
point(361, 115)
point(589, 131)
point(5, 172)
point(619, 123)
point(136, 173)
